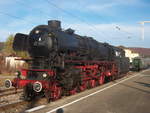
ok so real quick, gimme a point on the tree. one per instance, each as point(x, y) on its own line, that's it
point(8, 45)
point(1, 46)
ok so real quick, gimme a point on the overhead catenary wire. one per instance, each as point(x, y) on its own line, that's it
point(120, 29)
point(82, 20)
point(124, 31)
point(109, 21)
point(10, 15)
point(26, 5)
point(19, 18)
point(15, 17)
point(116, 26)
point(93, 28)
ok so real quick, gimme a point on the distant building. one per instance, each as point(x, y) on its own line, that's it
point(12, 63)
point(129, 53)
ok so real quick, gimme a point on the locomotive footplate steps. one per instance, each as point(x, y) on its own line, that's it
point(129, 94)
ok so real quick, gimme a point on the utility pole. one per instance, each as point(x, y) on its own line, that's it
point(142, 28)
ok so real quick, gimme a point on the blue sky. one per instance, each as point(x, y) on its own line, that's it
point(96, 18)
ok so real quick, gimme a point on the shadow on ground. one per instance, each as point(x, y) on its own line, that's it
point(143, 84)
point(135, 88)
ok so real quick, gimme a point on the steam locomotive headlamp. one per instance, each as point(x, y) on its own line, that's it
point(17, 73)
point(37, 86)
point(44, 75)
point(8, 83)
point(37, 31)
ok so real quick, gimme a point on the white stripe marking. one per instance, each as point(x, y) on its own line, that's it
point(35, 108)
point(55, 109)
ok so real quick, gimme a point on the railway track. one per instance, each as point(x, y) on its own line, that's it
point(10, 92)
point(5, 107)
point(21, 105)
point(5, 90)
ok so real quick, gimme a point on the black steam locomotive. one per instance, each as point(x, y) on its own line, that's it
point(64, 63)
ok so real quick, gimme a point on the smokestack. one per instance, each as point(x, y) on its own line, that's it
point(55, 24)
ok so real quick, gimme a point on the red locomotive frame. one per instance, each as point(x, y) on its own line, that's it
point(93, 74)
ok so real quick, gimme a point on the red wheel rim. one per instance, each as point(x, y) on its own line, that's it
point(74, 91)
point(92, 83)
point(57, 93)
point(101, 80)
point(83, 86)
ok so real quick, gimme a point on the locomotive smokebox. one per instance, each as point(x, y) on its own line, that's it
point(54, 24)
